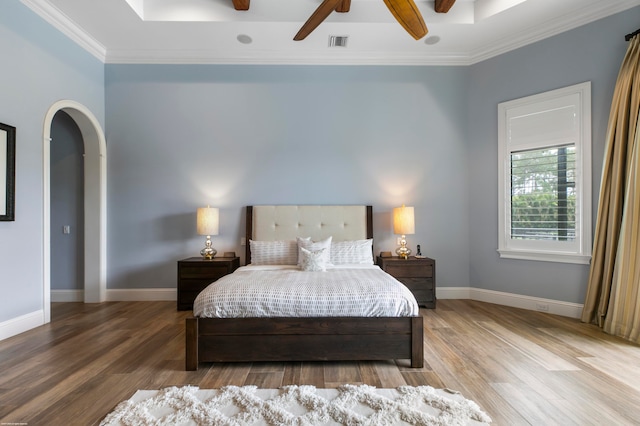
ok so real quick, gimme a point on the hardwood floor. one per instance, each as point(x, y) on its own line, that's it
point(521, 367)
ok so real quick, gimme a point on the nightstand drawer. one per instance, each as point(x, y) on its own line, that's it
point(415, 284)
point(410, 270)
point(189, 296)
point(200, 271)
point(194, 285)
point(423, 297)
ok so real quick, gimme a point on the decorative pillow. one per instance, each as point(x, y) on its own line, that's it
point(306, 243)
point(313, 260)
point(352, 252)
point(274, 252)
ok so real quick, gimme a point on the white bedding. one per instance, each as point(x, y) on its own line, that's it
point(286, 291)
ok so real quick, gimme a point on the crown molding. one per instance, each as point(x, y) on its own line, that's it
point(274, 57)
point(552, 28)
point(62, 23)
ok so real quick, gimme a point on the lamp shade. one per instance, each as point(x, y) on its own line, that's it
point(403, 221)
point(208, 220)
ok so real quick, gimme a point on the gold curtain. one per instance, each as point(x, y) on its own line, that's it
point(613, 295)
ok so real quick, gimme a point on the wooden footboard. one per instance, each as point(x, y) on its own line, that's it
point(191, 344)
point(303, 339)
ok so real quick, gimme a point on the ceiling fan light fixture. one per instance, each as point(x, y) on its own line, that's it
point(431, 40)
point(338, 41)
point(244, 39)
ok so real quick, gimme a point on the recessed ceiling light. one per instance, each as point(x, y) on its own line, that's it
point(431, 40)
point(244, 39)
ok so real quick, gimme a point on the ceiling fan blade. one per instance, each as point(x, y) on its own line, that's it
point(241, 4)
point(317, 17)
point(443, 6)
point(344, 6)
point(407, 14)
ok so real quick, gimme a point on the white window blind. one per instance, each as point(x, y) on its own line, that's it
point(543, 199)
point(545, 176)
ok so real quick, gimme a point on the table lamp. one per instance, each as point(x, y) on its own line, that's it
point(403, 224)
point(208, 219)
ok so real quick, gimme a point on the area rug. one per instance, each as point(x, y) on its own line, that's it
point(297, 405)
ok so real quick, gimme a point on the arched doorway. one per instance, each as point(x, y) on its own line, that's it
point(95, 203)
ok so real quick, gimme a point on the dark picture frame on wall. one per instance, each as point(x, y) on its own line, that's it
point(7, 172)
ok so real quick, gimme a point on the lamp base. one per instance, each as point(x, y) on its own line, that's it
point(208, 252)
point(403, 251)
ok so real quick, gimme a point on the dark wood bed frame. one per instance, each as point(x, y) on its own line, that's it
point(303, 339)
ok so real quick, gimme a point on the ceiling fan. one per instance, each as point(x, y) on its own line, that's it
point(405, 11)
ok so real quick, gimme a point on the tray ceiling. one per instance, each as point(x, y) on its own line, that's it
point(213, 31)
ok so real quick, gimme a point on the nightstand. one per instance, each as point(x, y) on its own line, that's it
point(196, 273)
point(419, 275)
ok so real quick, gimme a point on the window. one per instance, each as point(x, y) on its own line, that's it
point(544, 161)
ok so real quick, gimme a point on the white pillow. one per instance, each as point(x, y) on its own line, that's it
point(306, 243)
point(274, 252)
point(313, 260)
point(358, 252)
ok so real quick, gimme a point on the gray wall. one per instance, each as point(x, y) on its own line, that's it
point(185, 136)
point(67, 204)
point(39, 67)
point(180, 137)
point(590, 53)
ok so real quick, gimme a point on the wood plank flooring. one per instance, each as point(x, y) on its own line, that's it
point(521, 367)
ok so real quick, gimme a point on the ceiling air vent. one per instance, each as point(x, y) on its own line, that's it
point(338, 41)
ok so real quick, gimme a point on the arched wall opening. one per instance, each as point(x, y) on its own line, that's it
point(95, 203)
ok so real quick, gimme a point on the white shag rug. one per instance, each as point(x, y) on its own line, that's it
point(297, 405)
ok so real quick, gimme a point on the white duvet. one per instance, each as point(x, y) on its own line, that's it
point(286, 291)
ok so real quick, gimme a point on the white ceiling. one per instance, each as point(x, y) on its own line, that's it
point(208, 31)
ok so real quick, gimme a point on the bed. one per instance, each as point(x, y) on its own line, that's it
point(304, 338)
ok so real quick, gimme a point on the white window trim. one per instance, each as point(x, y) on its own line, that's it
point(576, 252)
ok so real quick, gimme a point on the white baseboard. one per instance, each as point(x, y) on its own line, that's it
point(118, 295)
point(556, 307)
point(35, 319)
point(453, 292)
point(141, 294)
point(21, 324)
point(67, 295)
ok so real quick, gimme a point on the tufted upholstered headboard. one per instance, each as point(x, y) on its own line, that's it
point(274, 223)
